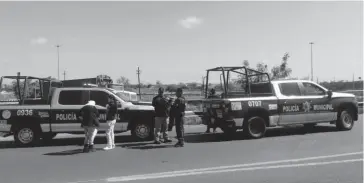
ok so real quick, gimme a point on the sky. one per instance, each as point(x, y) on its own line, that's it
point(177, 41)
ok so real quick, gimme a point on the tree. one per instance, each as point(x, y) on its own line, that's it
point(158, 83)
point(171, 88)
point(123, 80)
point(281, 71)
point(261, 67)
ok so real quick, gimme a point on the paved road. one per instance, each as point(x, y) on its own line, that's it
point(286, 155)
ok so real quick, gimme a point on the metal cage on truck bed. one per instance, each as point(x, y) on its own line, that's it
point(21, 87)
point(252, 82)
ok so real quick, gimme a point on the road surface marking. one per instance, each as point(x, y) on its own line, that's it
point(220, 168)
point(131, 178)
point(256, 164)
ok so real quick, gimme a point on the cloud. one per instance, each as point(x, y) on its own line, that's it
point(39, 41)
point(190, 22)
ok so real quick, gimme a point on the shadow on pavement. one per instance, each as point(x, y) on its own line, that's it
point(69, 152)
point(276, 132)
point(69, 141)
point(151, 146)
point(128, 142)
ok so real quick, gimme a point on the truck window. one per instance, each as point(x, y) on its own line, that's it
point(72, 97)
point(290, 89)
point(311, 89)
point(100, 97)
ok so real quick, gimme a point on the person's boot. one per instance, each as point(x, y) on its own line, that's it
point(179, 144)
point(85, 148)
point(167, 140)
point(91, 148)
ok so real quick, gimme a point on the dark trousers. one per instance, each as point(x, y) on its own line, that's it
point(179, 122)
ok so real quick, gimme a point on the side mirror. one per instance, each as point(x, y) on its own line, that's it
point(329, 93)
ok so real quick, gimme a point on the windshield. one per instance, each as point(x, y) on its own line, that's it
point(123, 96)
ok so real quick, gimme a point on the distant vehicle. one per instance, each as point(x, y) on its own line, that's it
point(42, 112)
point(254, 103)
point(103, 81)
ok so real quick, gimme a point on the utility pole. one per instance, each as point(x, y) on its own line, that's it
point(311, 43)
point(138, 72)
point(353, 82)
point(64, 75)
point(58, 57)
point(203, 85)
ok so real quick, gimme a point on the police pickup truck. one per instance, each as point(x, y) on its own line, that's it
point(42, 109)
point(275, 103)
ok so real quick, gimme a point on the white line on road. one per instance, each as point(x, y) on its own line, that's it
point(130, 178)
point(220, 168)
point(256, 164)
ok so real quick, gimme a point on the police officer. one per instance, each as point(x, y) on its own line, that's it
point(210, 125)
point(161, 106)
point(178, 111)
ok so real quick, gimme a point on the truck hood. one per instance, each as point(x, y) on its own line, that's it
point(130, 106)
point(339, 95)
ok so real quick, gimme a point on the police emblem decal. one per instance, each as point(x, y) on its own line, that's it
point(6, 114)
point(306, 106)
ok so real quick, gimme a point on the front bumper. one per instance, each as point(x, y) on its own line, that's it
point(5, 128)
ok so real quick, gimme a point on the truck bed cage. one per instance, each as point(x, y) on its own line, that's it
point(246, 74)
point(30, 77)
point(234, 69)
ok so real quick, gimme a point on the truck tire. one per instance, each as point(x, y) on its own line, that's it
point(254, 127)
point(345, 121)
point(142, 132)
point(27, 135)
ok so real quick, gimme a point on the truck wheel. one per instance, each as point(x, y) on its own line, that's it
point(345, 121)
point(255, 127)
point(27, 135)
point(142, 132)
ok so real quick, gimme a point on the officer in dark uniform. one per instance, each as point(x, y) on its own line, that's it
point(178, 111)
point(212, 94)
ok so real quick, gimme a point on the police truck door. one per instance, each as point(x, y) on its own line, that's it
point(66, 109)
point(317, 103)
point(290, 103)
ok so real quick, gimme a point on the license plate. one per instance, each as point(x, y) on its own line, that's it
point(219, 113)
point(3, 123)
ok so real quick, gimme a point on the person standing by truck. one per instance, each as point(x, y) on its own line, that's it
point(161, 106)
point(178, 113)
point(111, 112)
point(210, 125)
point(89, 121)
